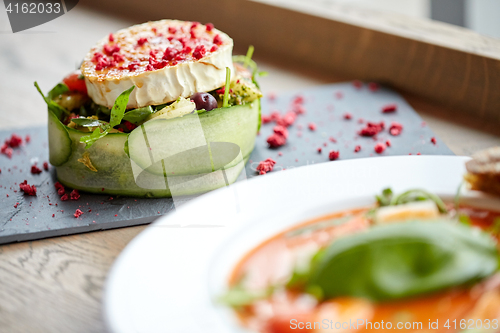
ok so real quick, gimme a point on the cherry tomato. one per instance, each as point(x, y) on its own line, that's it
point(75, 82)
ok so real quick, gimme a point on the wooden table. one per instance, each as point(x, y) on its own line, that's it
point(55, 285)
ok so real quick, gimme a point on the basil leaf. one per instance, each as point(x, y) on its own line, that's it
point(119, 107)
point(89, 122)
point(117, 113)
point(89, 140)
point(137, 116)
point(58, 110)
point(59, 89)
point(403, 260)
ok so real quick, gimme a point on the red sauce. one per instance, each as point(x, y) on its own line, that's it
point(272, 262)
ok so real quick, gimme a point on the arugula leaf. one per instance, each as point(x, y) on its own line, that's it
point(117, 113)
point(89, 122)
point(418, 195)
point(237, 296)
point(89, 140)
point(58, 110)
point(119, 107)
point(59, 89)
point(137, 116)
point(399, 260)
point(385, 198)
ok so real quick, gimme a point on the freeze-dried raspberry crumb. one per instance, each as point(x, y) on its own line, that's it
point(389, 108)
point(6, 150)
point(199, 52)
point(332, 139)
point(433, 140)
point(209, 27)
point(35, 170)
point(372, 129)
point(373, 86)
point(266, 166)
point(218, 40)
point(27, 138)
point(298, 109)
point(276, 140)
point(395, 128)
point(53, 215)
point(388, 143)
point(266, 119)
point(357, 84)
point(339, 95)
point(46, 166)
point(287, 120)
point(58, 186)
point(298, 100)
point(60, 191)
point(77, 213)
point(64, 197)
point(347, 116)
point(27, 189)
point(74, 195)
point(379, 148)
point(333, 155)
point(357, 149)
point(319, 149)
point(14, 141)
point(312, 126)
point(281, 130)
point(17, 203)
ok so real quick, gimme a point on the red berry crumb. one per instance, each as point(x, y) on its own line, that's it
point(333, 155)
point(389, 108)
point(266, 119)
point(433, 140)
point(312, 126)
point(373, 86)
point(357, 149)
point(276, 140)
point(53, 215)
point(27, 189)
point(46, 166)
point(388, 143)
point(64, 197)
point(77, 213)
point(27, 138)
point(35, 170)
point(281, 130)
point(74, 195)
point(357, 84)
point(319, 150)
point(372, 129)
point(209, 27)
point(379, 148)
point(347, 116)
point(287, 120)
point(332, 139)
point(266, 166)
point(395, 128)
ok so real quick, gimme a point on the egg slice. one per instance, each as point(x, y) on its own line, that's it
point(164, 60)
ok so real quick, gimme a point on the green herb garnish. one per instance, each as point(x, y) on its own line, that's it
point(225, 102)
point(58, 110)
point(117, 113)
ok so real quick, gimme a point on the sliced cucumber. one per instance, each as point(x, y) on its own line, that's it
point(59, 141)
point(164, 139)
point(117, 174)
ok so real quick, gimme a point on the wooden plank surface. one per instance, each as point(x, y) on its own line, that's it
point(55, 285)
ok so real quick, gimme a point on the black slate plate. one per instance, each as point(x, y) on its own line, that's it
point(32, 217)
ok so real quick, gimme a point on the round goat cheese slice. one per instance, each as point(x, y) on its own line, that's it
point(164, 60)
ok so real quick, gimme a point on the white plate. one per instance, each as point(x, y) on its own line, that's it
point(167, 277)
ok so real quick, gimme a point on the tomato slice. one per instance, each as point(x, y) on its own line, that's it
point(76, 82)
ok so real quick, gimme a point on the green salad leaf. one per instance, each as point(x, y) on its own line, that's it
point(402, 260)
point(388, 198)
point(117, 113)
point(58, 110)
point(89, 122)
point(59, 89)
point(137, 116)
